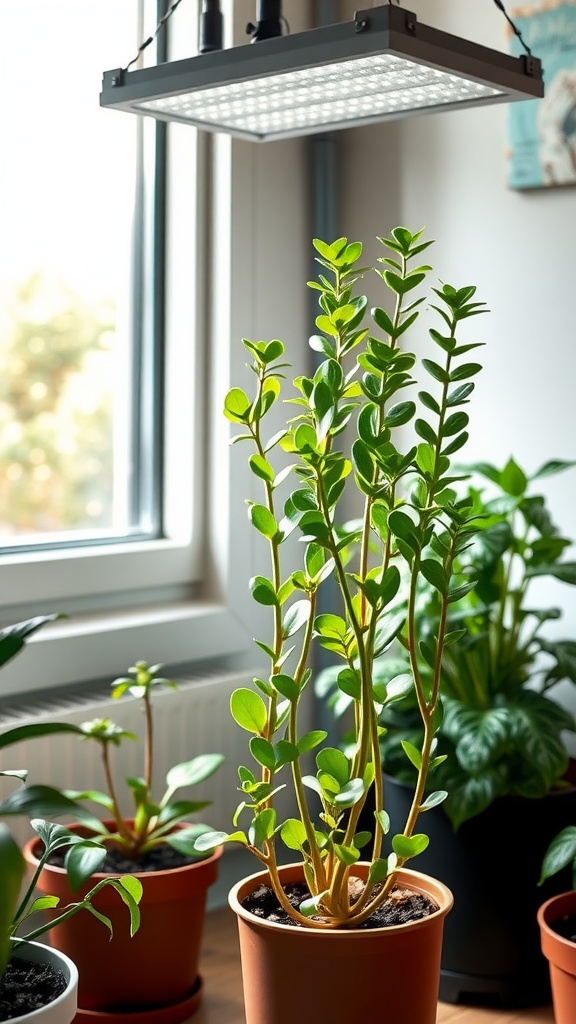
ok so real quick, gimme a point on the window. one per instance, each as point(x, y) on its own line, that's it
point(181, 596)
point(99, 483)
point(73, 339)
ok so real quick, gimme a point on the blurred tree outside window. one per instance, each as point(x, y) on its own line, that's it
point(68, 188)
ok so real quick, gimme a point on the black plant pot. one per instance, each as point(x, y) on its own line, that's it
point(491, 954)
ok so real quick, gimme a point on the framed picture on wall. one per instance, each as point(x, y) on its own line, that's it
point(542, 133)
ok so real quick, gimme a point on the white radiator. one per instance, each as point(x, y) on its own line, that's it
point(194, 719)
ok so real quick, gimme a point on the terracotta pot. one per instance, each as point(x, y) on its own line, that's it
point(373, 974)
point(62, 1009)
point(561, 955)
point(153, 977)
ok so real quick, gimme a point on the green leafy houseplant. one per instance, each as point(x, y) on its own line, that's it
point(154, 821)
point(15, 909)
point(413, 528)
point(502, 730)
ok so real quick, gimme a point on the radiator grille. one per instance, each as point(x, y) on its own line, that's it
point(192, 720)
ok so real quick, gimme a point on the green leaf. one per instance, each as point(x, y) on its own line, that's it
point(383, 321)
point(551, 467)
point(41, 802)
point(565, 571)
point(43, 903)
point(412, 753)
point(403, 527)
point(190, 773)
point(130, 889)
point(262, 827)
point(263, 591)
point(397, 687)
point(362, 460)
point(409, 846)
point(265, 523)
point(248, 710)
point(82, 860)
point(424, 429)
point(185, 839)
point(35, 730)
point(263, 752)
point(400, 414)
point(335, 763)
point(286, 685)
point(481, 736)
point(513, 480)
point(466, 370)
point(285, 753)
point(433, 800)
point(296, 617)
point(237, 406)
point(13, 638)
point(436, 371)
point(262, 468)
point(12, 868)
point(293, 834)
point(455, 423)
point(562, 851)
point(210, 840)
point(383, 819)
point(310, 740)
point(350, 794)
point(347, 854)
point(434, 572)
point(378, 871)
point(349, 682)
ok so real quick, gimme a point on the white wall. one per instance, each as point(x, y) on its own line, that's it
point(447, 172)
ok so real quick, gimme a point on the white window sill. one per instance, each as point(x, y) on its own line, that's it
point(89, 647)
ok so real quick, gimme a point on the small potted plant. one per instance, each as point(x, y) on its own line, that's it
point(37, 983)
point(155, 977)
point(557, 923)
point(502, 733)
point(321, 918)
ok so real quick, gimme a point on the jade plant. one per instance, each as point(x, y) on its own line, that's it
point(153, 821)
point(351, 429)
point(503, 728)
point(16, 908)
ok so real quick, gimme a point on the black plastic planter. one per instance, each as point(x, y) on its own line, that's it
point(491, 954)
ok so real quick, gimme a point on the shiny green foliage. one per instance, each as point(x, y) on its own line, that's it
point(154, 820)
point(357, 430)
point(16, 908)
point(502, 728)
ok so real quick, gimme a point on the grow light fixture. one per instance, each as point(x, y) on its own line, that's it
point(382, 64)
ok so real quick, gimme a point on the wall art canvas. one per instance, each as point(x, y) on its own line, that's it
point(542, 133)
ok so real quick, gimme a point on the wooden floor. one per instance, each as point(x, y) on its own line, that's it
point(223, 986)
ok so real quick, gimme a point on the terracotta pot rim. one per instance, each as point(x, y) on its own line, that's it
point(412, 879)
point(546, 913)
point(98, 876)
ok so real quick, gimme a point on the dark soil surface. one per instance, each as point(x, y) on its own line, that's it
point(566, 927)
point(161, 858)
point(401, 906)
point(27, 986)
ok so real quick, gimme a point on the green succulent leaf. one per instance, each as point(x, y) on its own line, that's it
point(409, 846)
point(248, 710)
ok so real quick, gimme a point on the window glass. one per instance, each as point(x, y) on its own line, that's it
point(68, 282)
